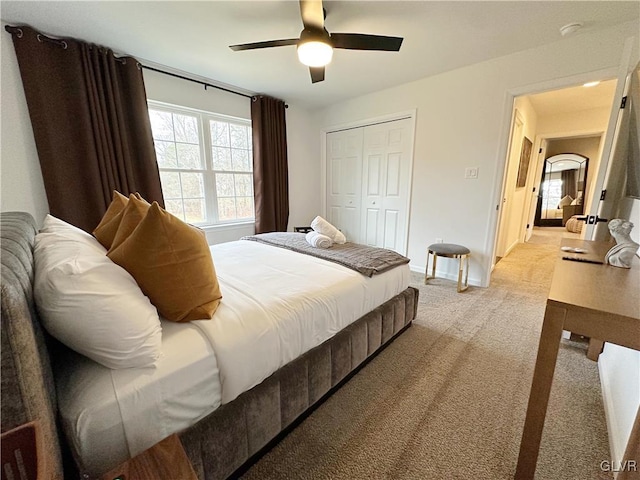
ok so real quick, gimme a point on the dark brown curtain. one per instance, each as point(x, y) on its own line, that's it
point(270, 170)
point(90, 121)
point(568, 183)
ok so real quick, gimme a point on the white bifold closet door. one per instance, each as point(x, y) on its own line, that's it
point(344, 185)
point(368, 183)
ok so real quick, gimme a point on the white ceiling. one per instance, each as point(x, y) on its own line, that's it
point(574, 99)
point(194, 37)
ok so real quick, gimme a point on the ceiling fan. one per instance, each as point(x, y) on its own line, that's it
point(315, 45)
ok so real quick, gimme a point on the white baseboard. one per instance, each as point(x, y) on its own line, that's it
point(511, 247)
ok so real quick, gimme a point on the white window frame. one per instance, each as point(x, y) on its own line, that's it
point(206, 155)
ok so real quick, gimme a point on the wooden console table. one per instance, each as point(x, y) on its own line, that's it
point(598, 301)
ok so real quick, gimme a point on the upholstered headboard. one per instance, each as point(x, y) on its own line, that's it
point(28, 391)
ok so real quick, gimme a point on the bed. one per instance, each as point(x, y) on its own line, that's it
point(225, 418)
point(551, 213)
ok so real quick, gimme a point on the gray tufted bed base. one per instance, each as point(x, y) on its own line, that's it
point(225, 443)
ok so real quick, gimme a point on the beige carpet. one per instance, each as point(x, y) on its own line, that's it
point(551, 235)
point(447, 399)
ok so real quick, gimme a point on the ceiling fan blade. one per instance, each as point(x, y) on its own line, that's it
point(317, 74)
point(361, 41)
point(312, 14)
point(267, 44)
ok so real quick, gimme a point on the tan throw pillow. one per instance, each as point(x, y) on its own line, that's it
point(172, 264)
point(130, 217)
point(108, 226)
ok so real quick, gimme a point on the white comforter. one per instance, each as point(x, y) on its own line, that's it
point(276, 305)
point(551, 213)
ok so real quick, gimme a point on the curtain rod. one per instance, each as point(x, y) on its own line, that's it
point(18, 31)
point(195, 81)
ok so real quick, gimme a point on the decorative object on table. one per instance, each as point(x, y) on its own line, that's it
point(622, 253)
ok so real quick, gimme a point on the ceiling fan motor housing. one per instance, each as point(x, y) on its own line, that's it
point(315, 35)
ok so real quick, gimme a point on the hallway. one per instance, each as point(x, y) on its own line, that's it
point(550, 235)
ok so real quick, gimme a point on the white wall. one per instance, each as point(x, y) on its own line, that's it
point(620, 368)
point(517, 199)
point(588, 121)
point(586, 146)
point(303, 149)
point(21, 185)
point(164, 88)
point(462, 121)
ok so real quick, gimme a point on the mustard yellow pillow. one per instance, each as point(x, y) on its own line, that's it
point(172, 264)
point(108, 226)
point(130, 217)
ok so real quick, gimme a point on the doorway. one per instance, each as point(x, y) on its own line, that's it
point(507, 237)
point(568, 124)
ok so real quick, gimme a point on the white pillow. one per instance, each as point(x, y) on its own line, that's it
point(52, 224)
point(91, 304)
point(566, 200)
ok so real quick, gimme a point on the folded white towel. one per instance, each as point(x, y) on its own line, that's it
point(320, 225)
point(318, 240)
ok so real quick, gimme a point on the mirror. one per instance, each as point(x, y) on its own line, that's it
point(562, 190)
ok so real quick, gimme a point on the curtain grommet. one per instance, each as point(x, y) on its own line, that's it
point(42, 38)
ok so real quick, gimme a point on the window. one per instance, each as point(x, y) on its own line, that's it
point(552, 192)
point(206, 164)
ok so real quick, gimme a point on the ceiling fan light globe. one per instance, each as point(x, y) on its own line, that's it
point(315, 54)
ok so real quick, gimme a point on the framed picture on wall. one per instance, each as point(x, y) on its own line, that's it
point(523, 169)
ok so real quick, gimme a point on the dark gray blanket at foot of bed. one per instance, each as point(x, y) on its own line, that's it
point(366, 260)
